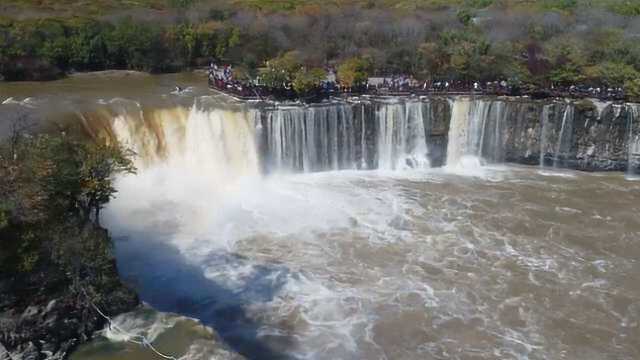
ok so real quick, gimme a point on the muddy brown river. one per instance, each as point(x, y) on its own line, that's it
point(520, 263)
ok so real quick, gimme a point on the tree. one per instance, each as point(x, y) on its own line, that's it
point(467, 54)
point(56, 176)
point(432, 60)
point(132, 45)
point(567, 58)
point(281, 70)
point(184, 39)
point(611, 73)
point(632, 89)
point(353, 72)
point(100, 163)
point(305, 80)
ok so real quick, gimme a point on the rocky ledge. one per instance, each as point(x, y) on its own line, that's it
point(44, 314)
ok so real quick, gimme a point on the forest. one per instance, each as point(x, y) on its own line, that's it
point(529, 43)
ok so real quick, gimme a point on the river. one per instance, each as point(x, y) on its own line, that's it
point(243, 238)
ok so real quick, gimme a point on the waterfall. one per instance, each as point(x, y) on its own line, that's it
point(458, 130)
point(476, 132)
point(363, 141)
point(492, 145)
point(565, 132)
point(402, 141)
point(477, 127)
point(369, 135)
point(321, 138)
point(544, 118)
point(314, 139)
point(212, 139)
point(213, 143)
point(633, 141)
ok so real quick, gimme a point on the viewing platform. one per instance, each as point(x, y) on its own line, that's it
point(246, 92)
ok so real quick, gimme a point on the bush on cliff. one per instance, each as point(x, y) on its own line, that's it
point(55, 259)
point(47, 183)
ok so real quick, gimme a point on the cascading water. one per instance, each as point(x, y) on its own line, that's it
point(477, 127)
point(209, 142)
point(313, 138)
point(544, 118)
point(458, 131)
point(476, 133)
point(401, 139)
point(384, 135)
point(492, 144)
point(341, 136)
point(565, 135)
point(633, 141)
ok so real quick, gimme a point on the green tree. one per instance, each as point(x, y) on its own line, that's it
point(305, 80)
point(611, 73)
point(282, 70)
point(135, 46)
point(568, 59)
point(54, 176)
point(353, 72)
point(87, 46)
point(50, 187)
point(632, 89)
point(100, 163)
point(433, 60)
point(467, 54)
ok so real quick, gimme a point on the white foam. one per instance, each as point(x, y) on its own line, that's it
point(29, 102)
point(467, 165)
point(564, 174)
point(146, 323)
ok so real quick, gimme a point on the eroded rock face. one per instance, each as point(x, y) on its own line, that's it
point(437, 130)
point(584, 135)
point(43, 316)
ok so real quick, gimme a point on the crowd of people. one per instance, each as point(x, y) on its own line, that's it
point(222, 78)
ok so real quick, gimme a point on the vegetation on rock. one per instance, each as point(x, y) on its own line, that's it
point(55, 259)
point(52, 188)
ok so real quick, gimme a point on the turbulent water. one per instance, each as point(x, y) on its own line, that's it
point(352, 265)
point(327, 232)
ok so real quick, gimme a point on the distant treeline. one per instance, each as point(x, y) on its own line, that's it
point(45, 49)
point(539, 44)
